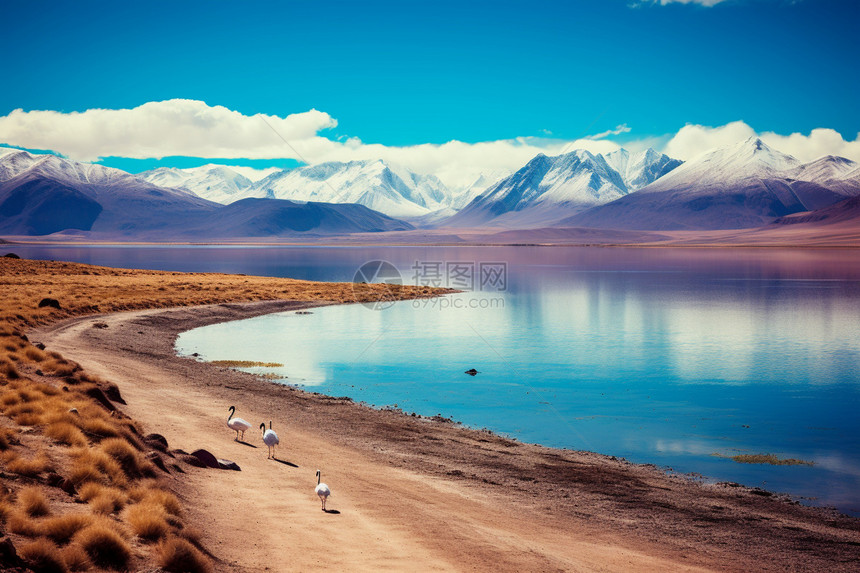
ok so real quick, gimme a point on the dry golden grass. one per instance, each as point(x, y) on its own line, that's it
point(33, 502)
point(7, 437)
point(150, 493)
point(6, 509)
point(179, 556)
point(86, 289)
point(104, 546)
point(8, 370)
point(62, 528)
point(89, 464)
point(129, 459)
point(65, 433)
point(76, 558)
point(147, 520)
point(27, 467)
point(103, 458)
point(22, 524)
point(34, 354)
point(43, 556)
point(102, 499)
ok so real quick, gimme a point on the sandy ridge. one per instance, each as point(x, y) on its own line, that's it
point(418, 495)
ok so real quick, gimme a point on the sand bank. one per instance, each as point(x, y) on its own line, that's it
point(416, 494)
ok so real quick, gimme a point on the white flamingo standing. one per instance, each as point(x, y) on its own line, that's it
point(322, 490)
point(237, 424)
point(270, 438)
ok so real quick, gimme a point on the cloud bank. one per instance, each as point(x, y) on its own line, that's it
point(192, 128)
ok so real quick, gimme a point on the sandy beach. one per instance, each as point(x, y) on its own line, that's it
point(417, 494)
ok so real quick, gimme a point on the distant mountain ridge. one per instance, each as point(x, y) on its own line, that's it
point(548, 189)
point(745, 185)
point(216, 183)
point(375, 184)
point(47, 194)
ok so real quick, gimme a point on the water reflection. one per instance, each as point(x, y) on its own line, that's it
point(658, 355)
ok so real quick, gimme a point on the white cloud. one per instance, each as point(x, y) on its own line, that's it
point(160, 129)
point(693, 140)
point(193, 128)
point(617, 131)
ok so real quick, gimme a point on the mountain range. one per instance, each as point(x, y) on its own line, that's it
point(548, 189)
point(379, 185)
point(47, 194)
point(746, 185)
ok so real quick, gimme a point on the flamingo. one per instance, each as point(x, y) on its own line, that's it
point(322, 490)
point(237, 424)
point(270, 438)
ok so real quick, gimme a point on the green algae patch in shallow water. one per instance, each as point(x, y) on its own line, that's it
point(246, 364)
point(770, 459)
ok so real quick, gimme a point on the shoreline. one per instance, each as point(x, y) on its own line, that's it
point(465, 243)
point(629, 515)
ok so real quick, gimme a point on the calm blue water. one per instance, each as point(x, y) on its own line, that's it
point(660, 356)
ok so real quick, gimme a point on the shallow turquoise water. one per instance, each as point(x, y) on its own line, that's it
point(659, 356)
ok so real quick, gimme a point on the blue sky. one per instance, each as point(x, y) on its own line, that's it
point(408, 73)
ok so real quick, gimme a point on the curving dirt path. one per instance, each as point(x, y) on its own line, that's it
point(414, 494)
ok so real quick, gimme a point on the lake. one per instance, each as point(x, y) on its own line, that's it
point(679, 357)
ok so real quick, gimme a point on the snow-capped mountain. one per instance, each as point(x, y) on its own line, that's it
point(381, 186)
point(642, 168)
point(213, 182)
point(466, 195)
point(47, 194)
point(548, 189)
point(746, 160)
point(745, 185)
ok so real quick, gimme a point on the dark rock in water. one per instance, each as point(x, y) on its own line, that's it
point(192, 461)
point(228, 465)
point(11, 256)
point(112, 392)
point(471, 372)
point(51, 302)
point(206, 457)
point(99, 396)
point(8, 555)
point(303, 312)
point(156, 441)
point(156, 459)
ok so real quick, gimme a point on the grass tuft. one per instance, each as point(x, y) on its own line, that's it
point(102, 499)
point(148, 521)
point(22, 524)
point(104, 547)
point(43, 556)
point(62, 528)
point(76, 558)
point(66, 433)
point(177, 555)
point(32, 501)
point(90, 464)
point(27, 467)
point(126, 456)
